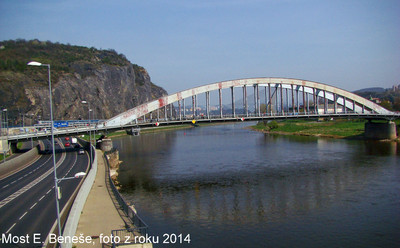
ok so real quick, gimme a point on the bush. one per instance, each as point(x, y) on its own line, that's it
point(272, 125)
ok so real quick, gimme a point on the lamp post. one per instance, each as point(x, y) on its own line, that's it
point(4, 127)
point(34, 63)
point(6, 121)
point(90, 131)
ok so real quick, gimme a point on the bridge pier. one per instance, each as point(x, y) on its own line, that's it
point(380, 131)
point(13, 147)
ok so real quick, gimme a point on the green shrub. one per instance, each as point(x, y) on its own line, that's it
point(272, 125)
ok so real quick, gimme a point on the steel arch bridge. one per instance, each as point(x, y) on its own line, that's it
point(282, 97)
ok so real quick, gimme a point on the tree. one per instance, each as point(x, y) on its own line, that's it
point(396, 104)
point(386, 104)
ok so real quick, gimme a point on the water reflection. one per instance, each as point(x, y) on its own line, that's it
point(140, 154)
point(220, 181)
point(252, 197)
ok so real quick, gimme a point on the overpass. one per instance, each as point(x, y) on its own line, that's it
point(273, 98)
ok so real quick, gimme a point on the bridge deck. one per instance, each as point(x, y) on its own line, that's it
point(62, 132)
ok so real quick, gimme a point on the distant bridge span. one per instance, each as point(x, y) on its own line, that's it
point(283, 96)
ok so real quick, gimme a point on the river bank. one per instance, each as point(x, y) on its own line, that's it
point(338, 129)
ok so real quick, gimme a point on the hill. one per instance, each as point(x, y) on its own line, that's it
point(371, 90)
point(106, 79)
point(388, 98)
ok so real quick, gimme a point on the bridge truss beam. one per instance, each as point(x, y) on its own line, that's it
point(315, 98)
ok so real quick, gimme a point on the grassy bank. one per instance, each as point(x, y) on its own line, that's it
point(334, 129)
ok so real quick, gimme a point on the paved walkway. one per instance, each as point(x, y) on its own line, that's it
point(99, 215)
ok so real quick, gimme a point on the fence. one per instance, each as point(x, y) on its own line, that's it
point(140, 227)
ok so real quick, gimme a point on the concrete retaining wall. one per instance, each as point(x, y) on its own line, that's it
point(77, 207)
point(18, 163)
point(106, 145)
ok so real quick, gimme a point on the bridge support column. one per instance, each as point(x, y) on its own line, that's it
point(317, 101)
point(269, 100)
point(335, 103)
point(314, 98)
point(298, 99)
point(292, 99)
point(276, 99)
point(233, 102)
point(380, 131)
point(180, 110)
point(304, 101)
point(208, 104)
point(193, 107)
point(184, 109)
point(287, 101)
point(220, 102)
point(282, 110)
point(246, 109)
point(258, 101)
point(266, 100)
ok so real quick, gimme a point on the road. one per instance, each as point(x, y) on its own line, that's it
point(27, 198)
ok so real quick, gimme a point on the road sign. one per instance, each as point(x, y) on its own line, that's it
point(61, 124)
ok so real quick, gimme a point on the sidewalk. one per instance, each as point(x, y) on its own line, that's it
point(99, 215)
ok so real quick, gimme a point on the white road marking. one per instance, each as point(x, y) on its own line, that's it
point(73, 165)
point(23, 215)
point(27, 173)
point(41, 198)
point(11, 228)
point(33, 205)
point(33, 183)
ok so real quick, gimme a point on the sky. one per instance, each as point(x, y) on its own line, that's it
point(350, 44)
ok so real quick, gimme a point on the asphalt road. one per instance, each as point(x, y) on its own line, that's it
point(27, 198)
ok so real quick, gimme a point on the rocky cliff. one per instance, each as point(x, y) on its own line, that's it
point(105, 79)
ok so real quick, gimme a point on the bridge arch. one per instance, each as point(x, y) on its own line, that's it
point(300, 91)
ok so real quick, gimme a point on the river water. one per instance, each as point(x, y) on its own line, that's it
point(228, 186)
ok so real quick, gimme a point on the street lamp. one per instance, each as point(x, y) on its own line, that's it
point(34, 63)
point(5, 144)
point(77, 175)
point(90, 131)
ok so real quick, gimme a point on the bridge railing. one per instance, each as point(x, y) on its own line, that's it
point(238, 116)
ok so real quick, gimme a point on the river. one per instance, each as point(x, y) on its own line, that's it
point(228, 186)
